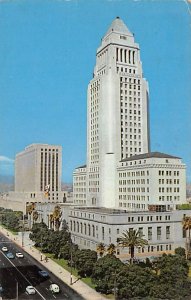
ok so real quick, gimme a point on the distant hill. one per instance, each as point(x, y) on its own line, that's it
point(67, 187)
point(6, 183)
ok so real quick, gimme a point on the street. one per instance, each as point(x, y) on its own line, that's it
point(18, 273)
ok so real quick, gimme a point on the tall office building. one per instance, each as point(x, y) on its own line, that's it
point(38, 172)
point(118, 137)
point(117, 112)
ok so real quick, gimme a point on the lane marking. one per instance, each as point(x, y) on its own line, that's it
point(23, 275)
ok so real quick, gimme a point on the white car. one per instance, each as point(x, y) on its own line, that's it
point(54, 288)
point(30, 290)
point(4, 249)
point(19, 255)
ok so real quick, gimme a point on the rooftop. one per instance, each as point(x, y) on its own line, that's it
point(149, 155)
point(118, 26)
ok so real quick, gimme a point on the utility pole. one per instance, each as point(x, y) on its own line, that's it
point(17, 290)
point(22, 233)
point(71, 262)
point(41, 244)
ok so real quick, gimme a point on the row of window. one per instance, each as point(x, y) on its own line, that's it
point(126, 70)
point(134, 190)
point(88, 229)
point(54, 150)
point(169, 190)
point(133, 174)
point(169, 181)
point(168, 173)
point(133, 197)
point(137, 181)
point(169, 198)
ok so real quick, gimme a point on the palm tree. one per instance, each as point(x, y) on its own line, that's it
point(186, 224)
point(35, 215)
point(132, 239)
point(30, 207)
point(111, 249)
point(57, 213)
point(101, 249)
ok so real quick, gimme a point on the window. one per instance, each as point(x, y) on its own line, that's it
point(141, 231)
point(149, 233)
point(158, 233)
point(167, 232)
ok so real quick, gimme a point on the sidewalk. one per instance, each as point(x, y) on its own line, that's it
point(79, 286)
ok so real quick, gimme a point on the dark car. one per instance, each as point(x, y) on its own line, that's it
point(43, 273)
point(10, 255)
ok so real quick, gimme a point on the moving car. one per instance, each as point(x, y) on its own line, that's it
point(54, 288)
point(4, 249)
point(10, 255)
point(30, 290)
point(19, 255)
point(43, 273)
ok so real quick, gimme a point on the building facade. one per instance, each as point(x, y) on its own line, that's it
point(117, 113)
point(151, 179)
point(121, 172)
point(79, 185)
point(38, 171)
point(163, 230)
point(91, 226)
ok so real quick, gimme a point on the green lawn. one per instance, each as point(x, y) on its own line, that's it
point(15, 232)
point(64, 264)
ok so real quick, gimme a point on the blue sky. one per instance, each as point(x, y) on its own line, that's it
point(47, 56)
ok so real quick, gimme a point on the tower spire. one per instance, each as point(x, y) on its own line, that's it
point(118, 26)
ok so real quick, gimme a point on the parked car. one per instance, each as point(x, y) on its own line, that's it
point(19, 255)
point(1, 289)
point(54, 288)
point(4, 249)
point(43, 273)
point(30, 290)
point(10, 255)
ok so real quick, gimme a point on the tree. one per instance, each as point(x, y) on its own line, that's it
point(57, 240)
point(186, 224)
point(11, 219)
point(172, 279)
point(57, 213)
point(35, 215)
point(40, 235)
point(100, 249)
point(103, 273)
point(134, 282)
point(30, 207)
point(132, 239)
point(84, 261)
point(180, 251)
point(111, 249)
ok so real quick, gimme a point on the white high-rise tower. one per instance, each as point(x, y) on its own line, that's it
point(121, 172)
point(117, 112)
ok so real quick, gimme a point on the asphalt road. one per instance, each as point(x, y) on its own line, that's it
point(24, 271)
